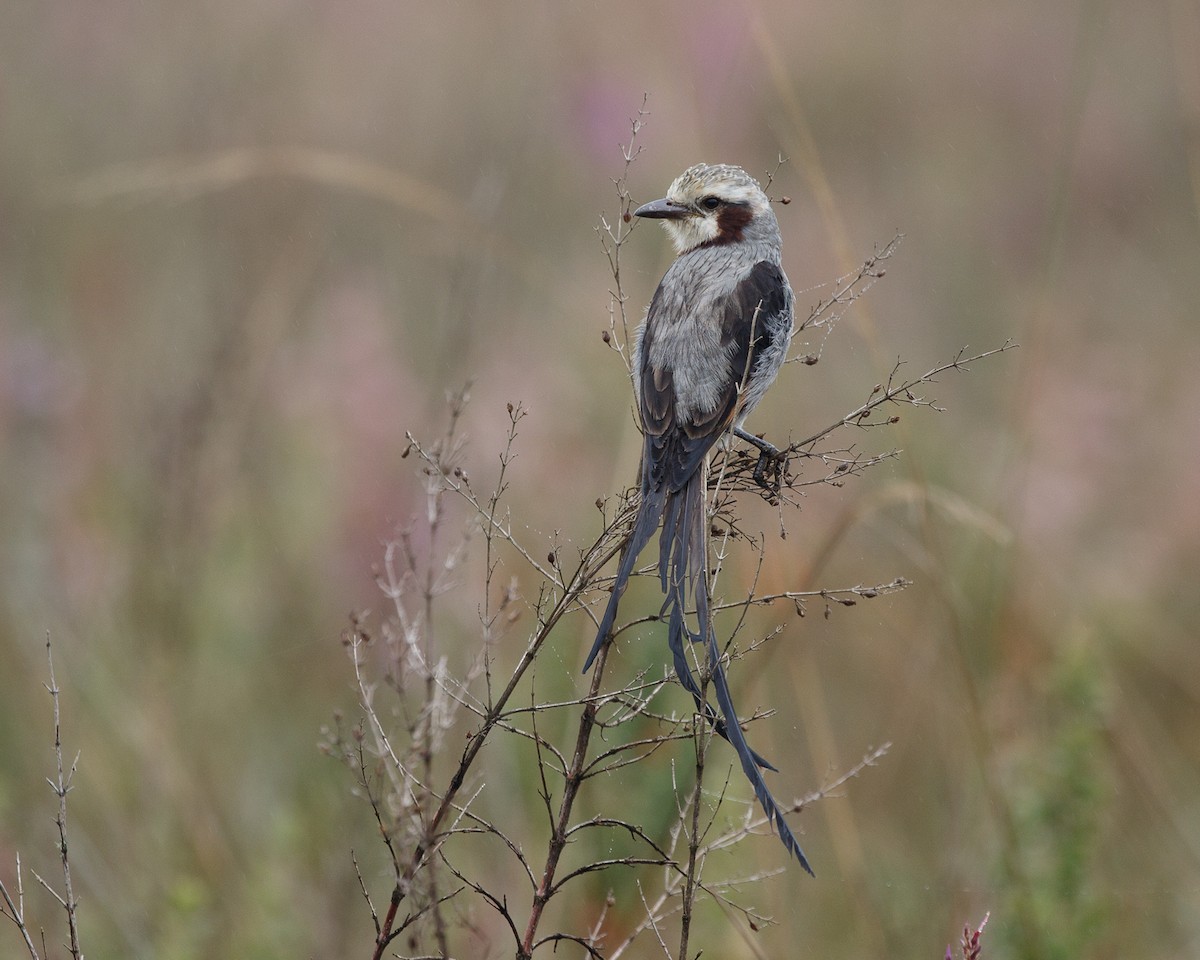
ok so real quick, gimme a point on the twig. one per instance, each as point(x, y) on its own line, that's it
point(847, 290)
point(613, 237)
point(695, 861)
point(14, 909)
point(898, 393)
point(571, 782)
point(61, 786)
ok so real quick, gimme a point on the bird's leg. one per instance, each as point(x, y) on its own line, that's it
point(767, 453)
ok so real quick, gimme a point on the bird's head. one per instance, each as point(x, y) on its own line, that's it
point(713, 204)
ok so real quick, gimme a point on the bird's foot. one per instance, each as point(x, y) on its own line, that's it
point(771, 460)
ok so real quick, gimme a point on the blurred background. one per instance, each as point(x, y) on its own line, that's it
point(245, 246)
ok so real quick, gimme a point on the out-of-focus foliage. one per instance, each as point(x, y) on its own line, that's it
point(244, 246)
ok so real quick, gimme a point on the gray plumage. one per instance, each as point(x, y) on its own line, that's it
point(715, 336)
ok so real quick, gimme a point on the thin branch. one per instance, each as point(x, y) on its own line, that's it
point(14, 909)
point(848, 289)
point(571, 783)
point(898, 393)
point(61, 787)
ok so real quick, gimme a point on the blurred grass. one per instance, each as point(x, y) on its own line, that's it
point(245, 247)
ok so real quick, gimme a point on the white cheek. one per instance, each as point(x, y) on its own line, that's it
point(691, 232)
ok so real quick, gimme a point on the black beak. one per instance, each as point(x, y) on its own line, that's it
point(663, 209)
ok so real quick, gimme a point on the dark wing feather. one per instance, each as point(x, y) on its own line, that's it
point(657, 384)
point(674, 449)
point(747, 325)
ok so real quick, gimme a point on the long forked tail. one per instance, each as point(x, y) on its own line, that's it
point(650, 511)
point(682, 556)
point(682, 562)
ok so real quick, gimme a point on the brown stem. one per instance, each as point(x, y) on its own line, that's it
point(61, 787)
point(558, 838)
point(691, 878)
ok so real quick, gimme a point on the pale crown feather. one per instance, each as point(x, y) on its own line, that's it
point(725, 182)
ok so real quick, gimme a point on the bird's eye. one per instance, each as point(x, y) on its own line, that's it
point(710, 203)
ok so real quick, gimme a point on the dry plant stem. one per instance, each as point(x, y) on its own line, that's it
point(61, 787)
point(571, 781)
point(898, 393)
point(428, 720)
point(844, 596)
point(669, 900)
point(744, 472)
point(516, 413)
point(583, 579)
point(15, 910)
point(847, 289)
point(694, 861)
point(613, 237)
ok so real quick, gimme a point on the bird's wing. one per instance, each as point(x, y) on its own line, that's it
point(751, 321)
point(675, 447)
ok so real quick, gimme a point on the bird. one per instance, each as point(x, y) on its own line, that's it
point(714, 338)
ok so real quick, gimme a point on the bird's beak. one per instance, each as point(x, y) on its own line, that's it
point(663, 209)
